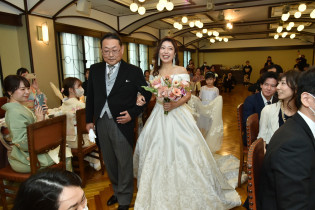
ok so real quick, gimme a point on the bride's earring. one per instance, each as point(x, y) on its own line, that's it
point(174, 62)
point(159, 60)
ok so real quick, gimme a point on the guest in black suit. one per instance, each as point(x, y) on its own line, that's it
point(111, 104)
point(288, 172)
point(85, 83)
point(255, 103)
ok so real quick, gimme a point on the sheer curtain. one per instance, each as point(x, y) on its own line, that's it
point(133, 53)
point(143, 57)
point(75, 51)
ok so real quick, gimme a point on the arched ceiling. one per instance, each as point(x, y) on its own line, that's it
point(252, 19)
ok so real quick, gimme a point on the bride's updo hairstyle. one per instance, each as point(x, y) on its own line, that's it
point(156, 55)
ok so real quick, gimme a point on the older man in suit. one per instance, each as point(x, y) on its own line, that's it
point(255, 103)
point(111, 102)
point(288, 172)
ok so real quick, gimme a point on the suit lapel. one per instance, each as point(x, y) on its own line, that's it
point(121, 77)
point(101, 78)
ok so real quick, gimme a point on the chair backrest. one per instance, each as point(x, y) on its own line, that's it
point(44, 136)
point(3, 100)
point(148, 109)
point(240, 108)
point(252, 128)
point(254, 164)
point(81, 127)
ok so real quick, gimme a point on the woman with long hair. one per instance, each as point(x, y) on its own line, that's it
point(274, 115)
point(173, 164)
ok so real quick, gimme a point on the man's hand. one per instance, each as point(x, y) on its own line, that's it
point(89, 126)
point(140, 100)
point(125, 118)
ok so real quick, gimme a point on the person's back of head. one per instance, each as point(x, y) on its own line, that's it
point(42, 190)
point(21, 71)
point(275, 68)
point(306, 85)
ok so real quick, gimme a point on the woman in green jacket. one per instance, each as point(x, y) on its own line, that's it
point(17, 118)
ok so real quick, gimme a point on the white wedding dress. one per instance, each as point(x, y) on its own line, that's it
point(174, 166)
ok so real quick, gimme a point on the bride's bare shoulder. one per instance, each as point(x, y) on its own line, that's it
point(180, 70)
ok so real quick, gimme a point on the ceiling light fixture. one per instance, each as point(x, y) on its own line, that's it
point(225, 39)
point(292, 36)
point(212, 40)
point(141, 10)
point(276, 36)
point(285, 16)
point(288, 28)
point(300, 27)
point(284, 34)
point(204, 30)
point(209, 33)
point(291, 24)
point(191, 24)
point(134, 7)
point(184, 19)
point(297, 14)
point(229, 25)
point(215, 33)
point(279, 29)
point(302, 7)
point(168, 5)
point(312, 15)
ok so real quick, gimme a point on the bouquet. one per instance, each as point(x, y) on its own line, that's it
point(168, 89)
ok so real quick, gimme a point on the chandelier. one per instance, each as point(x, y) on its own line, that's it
point(160, 6)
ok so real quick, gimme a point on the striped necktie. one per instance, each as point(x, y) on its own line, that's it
point(110, 70)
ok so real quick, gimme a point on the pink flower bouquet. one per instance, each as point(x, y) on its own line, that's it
point(168, 89)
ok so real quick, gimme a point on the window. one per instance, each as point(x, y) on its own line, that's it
point(187, 57)
point(138, 55)
point(77, 53)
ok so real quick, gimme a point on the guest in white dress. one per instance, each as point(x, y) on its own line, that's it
point(172, 162)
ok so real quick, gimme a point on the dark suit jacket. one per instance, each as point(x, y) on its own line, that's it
point(288, 172)
point(253, 104)
point(122, 97)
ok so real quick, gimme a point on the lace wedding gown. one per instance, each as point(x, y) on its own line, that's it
point(174, 166)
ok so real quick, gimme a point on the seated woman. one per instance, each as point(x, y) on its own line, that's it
point(17, 118)
point(51, 189)
point(36, 96)
point(73, 90)
point(274, 115)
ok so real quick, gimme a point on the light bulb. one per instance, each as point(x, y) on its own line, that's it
point(159, 6)
point(300, 27)
point(297, 14)
point(302, 7)
point(312, 15)
point(229, 25)
point(180, 26)
point(200, 25)
point(209, 33)
point(141, 0)
point(184, 19)
point(276, 36)
point(191, 24)
point(220, 39)
point(288, 28)
point(141, 10)
point(163, 2)
point(134, 7)
point(291, 24)
point(212, 40)
point(285, 17)
point(215, 33)
point(204, 30)
point(176, 25)
point(284, 34)
point(292, 36)
point(197, 22)
point(217, 38)
point(279, 29)
point(225, 39)
point(169, 6)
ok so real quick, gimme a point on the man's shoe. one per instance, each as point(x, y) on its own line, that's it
point(123, 207)
point(112, 200)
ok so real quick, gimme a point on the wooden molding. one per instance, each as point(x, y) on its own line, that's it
point(10, 19)
point(259, 48)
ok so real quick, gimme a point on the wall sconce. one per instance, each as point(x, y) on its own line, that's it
point(42, 33)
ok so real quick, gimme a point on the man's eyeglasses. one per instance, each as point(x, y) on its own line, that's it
point(113, 52)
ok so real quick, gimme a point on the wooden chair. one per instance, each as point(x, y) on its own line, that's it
point(81, 152)
point(243, 150)
point(3, 100)
point(42, 137)
point(148, 109)
point(255, 161)
point(252, 129)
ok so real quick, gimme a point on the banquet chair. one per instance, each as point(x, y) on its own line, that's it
point(255, 161)
point(243, 149)
point(81, 152)
point(42, 137)
point(252, 129)
point(3, 100)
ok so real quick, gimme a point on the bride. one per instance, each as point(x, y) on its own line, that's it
point(172, 162)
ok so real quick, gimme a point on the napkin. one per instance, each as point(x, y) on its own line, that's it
point(92, 135)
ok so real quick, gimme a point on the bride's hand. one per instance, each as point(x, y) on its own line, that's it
point(168, 106)
point(140, 100)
